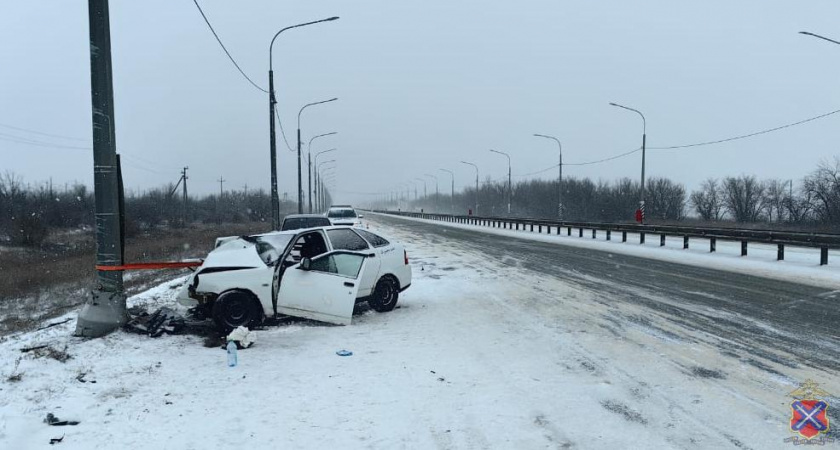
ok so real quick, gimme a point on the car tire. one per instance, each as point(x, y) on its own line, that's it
point(236, 308)
point(385, 295)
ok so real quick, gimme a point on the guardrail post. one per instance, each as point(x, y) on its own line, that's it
point(823, 256)
point(685, 242)
point(661, 240)
point(623, 236)
point(608, 235)
point(539, 228)
point(642, 237)
point(743, 248)
point(580, 232)
point(517, 226)
point(593, 233)
point(712, 245)
point(780, 253)
point(532, 228)
point(569, 231)
point(558, 230)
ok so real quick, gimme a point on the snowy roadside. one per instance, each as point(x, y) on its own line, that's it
point(478, 355)
point(801, 265)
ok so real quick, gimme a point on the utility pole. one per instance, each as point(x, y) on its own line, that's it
point(184, 212)
point(104, 310)
point(221, 181)
point(221, 188)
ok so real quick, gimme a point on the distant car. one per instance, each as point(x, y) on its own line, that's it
point(344, 215)
point(299, 221)
point(315, 273)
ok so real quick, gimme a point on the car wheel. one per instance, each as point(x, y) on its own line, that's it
point(385, 295)
point(236, 308)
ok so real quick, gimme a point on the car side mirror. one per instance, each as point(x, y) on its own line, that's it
point(305, 264)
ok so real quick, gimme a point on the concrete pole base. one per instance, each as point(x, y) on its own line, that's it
point(103, 313)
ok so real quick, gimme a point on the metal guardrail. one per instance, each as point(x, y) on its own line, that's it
point(823, 241)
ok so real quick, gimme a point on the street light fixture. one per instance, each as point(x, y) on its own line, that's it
point(559, 175)
point(272, 100)
point(300, 180)
point(452, 195)
point(309, 166)
point(808, 33)
point(644, 138)
point(509, 186)
point(476, 184)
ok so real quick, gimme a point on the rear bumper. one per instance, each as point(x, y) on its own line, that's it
point(405, 287)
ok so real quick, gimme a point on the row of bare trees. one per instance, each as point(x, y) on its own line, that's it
point(813, 200)
point(29, 212)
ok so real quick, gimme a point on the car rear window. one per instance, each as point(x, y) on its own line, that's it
point(346, 240)
point(296, 223)
point(374, 239)
point(341, 213)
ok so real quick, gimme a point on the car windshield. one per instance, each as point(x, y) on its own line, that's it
point(341, 213)
point(271, 247)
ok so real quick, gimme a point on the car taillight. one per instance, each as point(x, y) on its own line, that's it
point(405, 255)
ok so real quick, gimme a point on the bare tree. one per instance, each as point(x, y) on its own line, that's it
point(823, 185)
point(775, 199)
point(665, 199)
point(708, 201)
point(743, 198)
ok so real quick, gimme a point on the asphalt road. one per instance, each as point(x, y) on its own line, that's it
point(750, 318)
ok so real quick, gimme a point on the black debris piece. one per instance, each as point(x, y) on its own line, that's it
point(54, 441)
point(56, 422)
point(164, 320)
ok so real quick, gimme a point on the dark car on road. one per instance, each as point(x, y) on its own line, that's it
point(299, 221)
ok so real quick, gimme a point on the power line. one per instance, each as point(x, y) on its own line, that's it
point(42, 133)
point(603, 160)
point(225, 49)
point(20, 140)
point(282, 131)
point(744, 136)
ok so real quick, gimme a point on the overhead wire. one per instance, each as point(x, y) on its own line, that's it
point(59, 136)
point(745, 136)
point(219, 40)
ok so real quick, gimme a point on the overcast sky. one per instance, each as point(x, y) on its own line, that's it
point(423, 85)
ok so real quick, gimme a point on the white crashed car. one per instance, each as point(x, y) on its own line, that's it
point(317, 273)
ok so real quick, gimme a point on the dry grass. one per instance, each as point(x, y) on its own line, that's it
point(36, 284)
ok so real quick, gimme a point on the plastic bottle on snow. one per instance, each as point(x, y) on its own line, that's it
point(231, 353)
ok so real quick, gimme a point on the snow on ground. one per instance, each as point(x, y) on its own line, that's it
point(801, 264)
point(480, 354)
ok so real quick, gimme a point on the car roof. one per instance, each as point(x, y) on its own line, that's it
point(300, 230)
point(341, 206)
point(303, 216)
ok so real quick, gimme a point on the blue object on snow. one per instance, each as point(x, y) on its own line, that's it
point(231, 353)
point(344, 353)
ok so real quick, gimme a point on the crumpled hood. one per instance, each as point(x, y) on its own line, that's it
point(235, 253)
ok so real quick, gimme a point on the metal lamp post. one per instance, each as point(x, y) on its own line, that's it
point(309, 166)
point(559, 175)
point(319, 185)
point(316, 175)
point(452, 195)
point(476, 185)
point(644, 138)
point(437, 190)
point(808, 33)
point(300, 180)
point(510, 192)
point(272, 100)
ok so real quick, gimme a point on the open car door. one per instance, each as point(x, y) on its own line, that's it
point(323, 288)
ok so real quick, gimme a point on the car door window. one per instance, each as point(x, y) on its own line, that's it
point(374, 239)
point(344, 239)
point(344, 264)
point(308, 245)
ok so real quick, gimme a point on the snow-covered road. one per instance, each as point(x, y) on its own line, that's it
point(483, 352)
